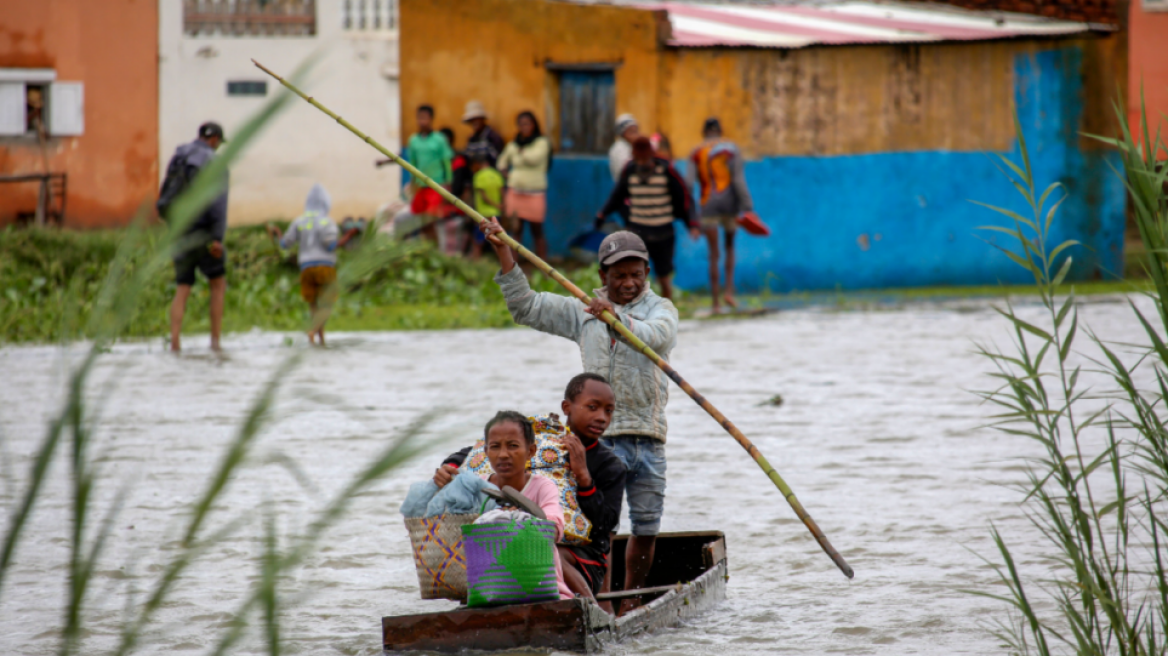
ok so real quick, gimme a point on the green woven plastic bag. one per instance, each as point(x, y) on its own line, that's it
point(510, 563)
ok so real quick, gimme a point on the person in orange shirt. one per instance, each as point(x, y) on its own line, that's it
point(718, 167)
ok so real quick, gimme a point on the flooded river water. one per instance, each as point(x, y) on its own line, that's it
point(878, 434)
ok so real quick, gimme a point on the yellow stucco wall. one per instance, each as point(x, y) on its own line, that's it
point(835, 100)
point(496, 51)
point(824, 100)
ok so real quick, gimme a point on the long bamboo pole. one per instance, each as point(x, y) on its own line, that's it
point(608, 318)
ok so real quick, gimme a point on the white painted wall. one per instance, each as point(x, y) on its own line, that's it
point(356, 77)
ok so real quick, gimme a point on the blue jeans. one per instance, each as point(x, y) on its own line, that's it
point(644, 458)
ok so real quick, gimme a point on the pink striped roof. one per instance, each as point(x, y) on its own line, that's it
point(847, 21)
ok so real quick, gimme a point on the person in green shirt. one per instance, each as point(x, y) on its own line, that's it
point(488, 186)
point(430, 151)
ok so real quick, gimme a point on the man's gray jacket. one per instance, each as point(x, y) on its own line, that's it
point(640, 387)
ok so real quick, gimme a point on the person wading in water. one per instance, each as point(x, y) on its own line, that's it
point(717, 166)
point(202, 245)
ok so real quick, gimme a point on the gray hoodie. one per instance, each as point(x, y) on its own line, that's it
point(641, 388)
point(314, 232)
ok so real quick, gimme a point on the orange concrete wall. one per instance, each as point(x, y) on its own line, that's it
point(1148, 65)
point(112, 47)
point(495, 51)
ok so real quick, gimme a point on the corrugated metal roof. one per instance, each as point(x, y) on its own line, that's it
point(849, 21)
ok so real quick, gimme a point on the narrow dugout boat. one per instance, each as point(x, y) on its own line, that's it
point(688, 577)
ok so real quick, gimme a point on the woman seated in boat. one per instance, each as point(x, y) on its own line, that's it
point(510, 446)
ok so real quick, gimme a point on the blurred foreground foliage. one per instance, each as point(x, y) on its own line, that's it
point(50, 280)
point(107, 286)
point(1097, 495)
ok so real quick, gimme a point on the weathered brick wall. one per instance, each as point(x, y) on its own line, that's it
point(1093, 11)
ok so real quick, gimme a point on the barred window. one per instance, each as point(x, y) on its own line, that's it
point(249, 17)
point(369, 15)
point(247, 87)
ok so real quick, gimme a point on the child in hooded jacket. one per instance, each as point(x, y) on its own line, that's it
point(317, 238)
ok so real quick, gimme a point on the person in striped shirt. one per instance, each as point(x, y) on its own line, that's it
point(656, 195)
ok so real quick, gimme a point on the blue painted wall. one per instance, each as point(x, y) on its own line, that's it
point(899, 219)
point(578, 186)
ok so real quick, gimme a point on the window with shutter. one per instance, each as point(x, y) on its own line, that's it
point(12, 109)
point(67, 109)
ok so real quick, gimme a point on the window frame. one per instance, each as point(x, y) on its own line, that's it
point(54, 93)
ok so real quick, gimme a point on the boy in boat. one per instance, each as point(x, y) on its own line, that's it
point(588, 406)
point(637, 432)
point(510, 446)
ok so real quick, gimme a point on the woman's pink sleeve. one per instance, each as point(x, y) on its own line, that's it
point(548, 499)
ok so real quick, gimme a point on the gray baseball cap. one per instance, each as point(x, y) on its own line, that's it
point(620, 245)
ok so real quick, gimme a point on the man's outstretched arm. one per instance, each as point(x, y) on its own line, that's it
point(546, 312)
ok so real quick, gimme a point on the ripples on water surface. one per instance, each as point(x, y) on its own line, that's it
point(877, 434)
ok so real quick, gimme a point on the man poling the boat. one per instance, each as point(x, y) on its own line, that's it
point(588, 406)
point(619, 328)
point(638, 430)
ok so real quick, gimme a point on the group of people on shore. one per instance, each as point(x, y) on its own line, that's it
point(510, 183)
point(506, 182)
point(502, 180)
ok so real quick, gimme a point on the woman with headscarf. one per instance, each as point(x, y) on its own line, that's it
point(526, 161)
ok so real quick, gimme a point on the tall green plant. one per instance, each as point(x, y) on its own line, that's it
point(1145, 175)
point(1101, 531)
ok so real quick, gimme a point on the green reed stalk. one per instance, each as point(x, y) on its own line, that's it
point(608, 318)
point(1145, 175)
point(1102, 599)
point(400, 450)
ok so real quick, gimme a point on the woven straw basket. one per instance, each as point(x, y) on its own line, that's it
point(439, 556)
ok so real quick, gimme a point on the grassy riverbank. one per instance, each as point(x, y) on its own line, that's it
point(48, 280)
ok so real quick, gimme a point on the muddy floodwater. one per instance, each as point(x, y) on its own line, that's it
point(878, 433)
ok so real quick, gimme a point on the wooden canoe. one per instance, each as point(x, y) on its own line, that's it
point(688, 577)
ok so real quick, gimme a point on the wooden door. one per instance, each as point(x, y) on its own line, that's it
point(587, 111)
